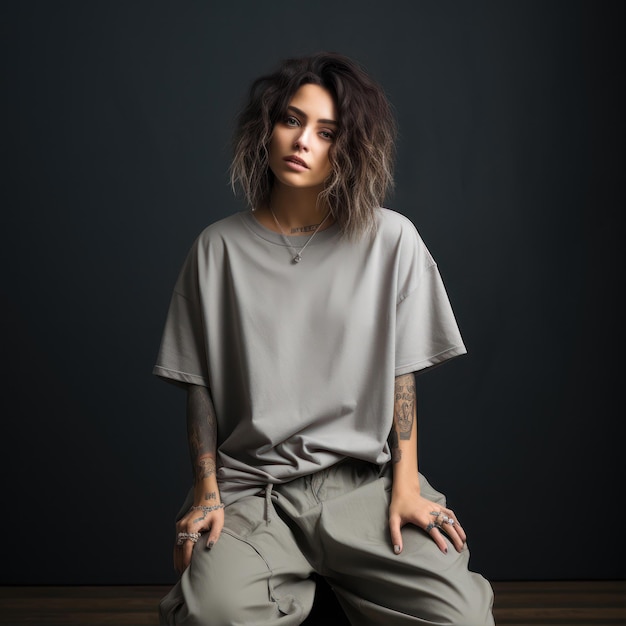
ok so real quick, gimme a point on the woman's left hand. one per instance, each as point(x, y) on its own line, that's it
point(432, 518)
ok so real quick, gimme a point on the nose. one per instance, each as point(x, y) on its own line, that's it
point(302, 140)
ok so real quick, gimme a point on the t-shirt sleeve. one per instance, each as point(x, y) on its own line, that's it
point(182, 353)
point(426, 330)
point(427, 333)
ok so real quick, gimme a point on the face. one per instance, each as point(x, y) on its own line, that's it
point(298, 150)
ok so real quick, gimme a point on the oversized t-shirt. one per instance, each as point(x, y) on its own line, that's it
point(300, 358)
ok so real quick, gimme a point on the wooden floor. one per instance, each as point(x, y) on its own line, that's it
point(516, 604)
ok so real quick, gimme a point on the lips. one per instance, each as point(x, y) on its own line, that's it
point(296, 160)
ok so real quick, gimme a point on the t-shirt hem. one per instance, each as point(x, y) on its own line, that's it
point(180, 377)
point(432, 361)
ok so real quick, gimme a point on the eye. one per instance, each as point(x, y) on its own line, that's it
point(327, 134)
point(290, 120)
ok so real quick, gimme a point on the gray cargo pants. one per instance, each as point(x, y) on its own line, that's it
point(335, 523)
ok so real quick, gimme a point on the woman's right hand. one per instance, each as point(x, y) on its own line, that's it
point(199, 520)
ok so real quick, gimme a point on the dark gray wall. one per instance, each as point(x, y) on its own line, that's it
point(511, 163)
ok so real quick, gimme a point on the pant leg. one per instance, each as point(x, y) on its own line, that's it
point(255, 575)
point(352, 548)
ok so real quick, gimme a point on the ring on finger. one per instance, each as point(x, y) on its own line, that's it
point(430, 527)
point(182, 537)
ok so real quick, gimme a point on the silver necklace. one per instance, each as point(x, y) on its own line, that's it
point(297, 254)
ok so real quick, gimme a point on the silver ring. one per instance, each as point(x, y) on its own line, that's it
point(182, 537)
point(450, 521)
point(429, 527)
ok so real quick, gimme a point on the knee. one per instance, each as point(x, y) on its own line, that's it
point(217, 609)
point(222, 592)
point(472, 609)
point(221, 607)
point(211, 600)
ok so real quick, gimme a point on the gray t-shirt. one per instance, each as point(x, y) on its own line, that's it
point(301, 358)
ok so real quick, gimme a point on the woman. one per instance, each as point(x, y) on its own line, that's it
point(297, 328)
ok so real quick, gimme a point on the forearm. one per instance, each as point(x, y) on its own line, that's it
point(403, 437)
point(202, 436)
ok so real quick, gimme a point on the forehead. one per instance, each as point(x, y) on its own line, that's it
point(315, 101)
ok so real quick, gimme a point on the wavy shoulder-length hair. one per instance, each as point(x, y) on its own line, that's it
point(362, 154)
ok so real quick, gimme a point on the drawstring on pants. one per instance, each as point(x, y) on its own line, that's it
point(268, 502)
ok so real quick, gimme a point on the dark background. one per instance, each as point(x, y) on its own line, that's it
point(511, 163)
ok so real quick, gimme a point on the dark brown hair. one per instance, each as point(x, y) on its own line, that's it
point(363, 152)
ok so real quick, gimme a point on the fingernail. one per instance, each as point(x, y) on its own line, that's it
point(210, 545)
point(445, 551)
point(396, 549)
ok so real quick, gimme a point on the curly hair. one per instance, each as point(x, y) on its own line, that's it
point(362, 155)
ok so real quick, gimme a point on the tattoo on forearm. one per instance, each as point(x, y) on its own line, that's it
point(211, 495)
point(201, 432)
point(404, 409)
point(195, 441)
point(405, 421)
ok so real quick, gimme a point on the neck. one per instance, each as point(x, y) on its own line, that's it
point(296, 208)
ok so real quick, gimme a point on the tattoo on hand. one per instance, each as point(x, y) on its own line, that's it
point(211, 495)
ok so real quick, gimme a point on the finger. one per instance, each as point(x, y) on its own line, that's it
point(460, 532)
point(437, 537)
point(396, 533)
point(186, 554)
point(453, 522)
point(215, 532)
point(178, 559)
point(450, 532)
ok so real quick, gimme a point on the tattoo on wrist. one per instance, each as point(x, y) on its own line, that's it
point(205, 468)
point(211, 495)
point(205, 511)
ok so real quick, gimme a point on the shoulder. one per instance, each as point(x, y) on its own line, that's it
point(398, 232)
point(221, 229)
point(392, 225)
point(215, 236)
point(212, 240)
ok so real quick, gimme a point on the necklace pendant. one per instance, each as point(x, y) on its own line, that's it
point(298, 256)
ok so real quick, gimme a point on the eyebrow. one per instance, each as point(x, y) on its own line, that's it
point(303, 114)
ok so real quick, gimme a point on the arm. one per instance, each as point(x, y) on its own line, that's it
point(407, 503)
point(202, 437)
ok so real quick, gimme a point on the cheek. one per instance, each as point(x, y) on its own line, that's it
point(274, 149)
point(271, 146)
point(327, 164)
point(279, 138)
